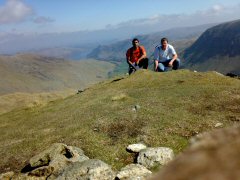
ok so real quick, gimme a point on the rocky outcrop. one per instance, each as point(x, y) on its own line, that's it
point(7, 175)
point(133, 172)
point(152, 157)
point(64, 162)
point(53, 161)
point(91, 169)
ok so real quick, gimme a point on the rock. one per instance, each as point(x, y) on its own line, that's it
point(133, 172)
point(119, 97)
point(54, 160)
point(88, 170)
point(7, 175)
point(214, 155)
point(218, 73)
point(135, 148)
point(151, 157)
point(42, 171)
point(80, 91)
point(137, 107)
point(218, 125)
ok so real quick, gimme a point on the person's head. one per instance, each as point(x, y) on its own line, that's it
point(135, 42)
point(164, 43)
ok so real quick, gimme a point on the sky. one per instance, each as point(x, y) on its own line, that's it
point(44, 16)
point(37, 24)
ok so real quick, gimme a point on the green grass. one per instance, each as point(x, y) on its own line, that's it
point(174, 106)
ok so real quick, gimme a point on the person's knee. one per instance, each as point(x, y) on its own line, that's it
point(161, 67)
point(176, 64)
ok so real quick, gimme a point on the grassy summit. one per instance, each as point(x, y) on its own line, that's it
point(173, 107)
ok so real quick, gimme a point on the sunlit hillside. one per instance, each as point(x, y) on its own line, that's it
point(103, 120)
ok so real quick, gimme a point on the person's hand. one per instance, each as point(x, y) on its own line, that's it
point(137, 63)
point(170, 64)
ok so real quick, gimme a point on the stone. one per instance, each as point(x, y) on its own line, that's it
point(153, 157)
point(92, 169)
point(218, 125)
point(7, 175)
point(135, 148)
point(133, 172)
point(54, 160)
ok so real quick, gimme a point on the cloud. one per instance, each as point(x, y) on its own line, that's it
point(14, 11)
point(159, 22)
point(43, 20)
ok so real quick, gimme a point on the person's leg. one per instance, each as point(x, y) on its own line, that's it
point(176, 64)
point(161, 67)
point(130, 70)
point(143, 63)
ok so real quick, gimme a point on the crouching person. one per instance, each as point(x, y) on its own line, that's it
point(136, 57)
point(165, 57)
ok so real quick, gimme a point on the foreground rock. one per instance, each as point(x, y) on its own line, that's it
point(51, 162)
point(7, 175)
point(133, 172)
point(211, 156)
point(88, 170)
point(153, 157)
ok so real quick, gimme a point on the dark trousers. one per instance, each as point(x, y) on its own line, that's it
point(142, 64)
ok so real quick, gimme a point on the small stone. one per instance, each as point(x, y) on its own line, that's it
point(218, 125)
point(80, 91)
point(137, 107)
point(135, 148)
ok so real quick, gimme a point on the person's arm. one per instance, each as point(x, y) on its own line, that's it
point(144, 54)
point(173, 59)
point(128, 58)
point(156, 58)
point(156, 65)
point(174, 56)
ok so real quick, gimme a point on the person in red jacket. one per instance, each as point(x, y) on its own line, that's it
point(136, 57)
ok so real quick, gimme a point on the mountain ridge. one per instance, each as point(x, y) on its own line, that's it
point(216, 46)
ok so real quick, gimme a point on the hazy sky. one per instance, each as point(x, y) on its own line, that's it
point(24, 16)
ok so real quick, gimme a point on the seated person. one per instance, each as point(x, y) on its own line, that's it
point(136, 57)
point(165, 56)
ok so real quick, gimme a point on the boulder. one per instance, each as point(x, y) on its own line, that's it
point(133, 172)
point(54, 160)
point(152, 157)
point(88, 170)
point(136, 148)
point(7, 175)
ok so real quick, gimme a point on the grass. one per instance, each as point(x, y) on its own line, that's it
point(174, 106)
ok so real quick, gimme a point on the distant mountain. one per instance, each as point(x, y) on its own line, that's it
point(218, 48)
point(181, 37)
point(34, 73)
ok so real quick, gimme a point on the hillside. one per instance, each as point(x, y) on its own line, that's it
point(30, 73)
point(172, 107)
point(216, 49)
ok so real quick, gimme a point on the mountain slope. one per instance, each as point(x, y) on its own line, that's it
point(33, 73)
point(102, 120)
point(216, 49)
